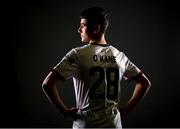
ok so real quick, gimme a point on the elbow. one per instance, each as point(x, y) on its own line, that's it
point(149, 84)
point(48, 82)
point(45, 86)
point(146, 83)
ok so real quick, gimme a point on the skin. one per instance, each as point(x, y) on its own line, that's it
point(50, 89)
point(142, 84)
point(90, 37)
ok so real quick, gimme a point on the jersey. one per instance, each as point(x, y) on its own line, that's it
point(97, 71)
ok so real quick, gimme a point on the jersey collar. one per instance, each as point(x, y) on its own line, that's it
point(103, 45)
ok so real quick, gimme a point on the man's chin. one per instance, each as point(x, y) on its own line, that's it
point(83, 41)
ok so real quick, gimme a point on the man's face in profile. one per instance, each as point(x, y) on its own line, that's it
point(83, 31)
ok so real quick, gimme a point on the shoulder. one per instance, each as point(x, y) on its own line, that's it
point(76, 49)
point(80, 49)
point(120, 55)
point(116, 50)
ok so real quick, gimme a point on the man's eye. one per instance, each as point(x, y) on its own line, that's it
point(83, 24)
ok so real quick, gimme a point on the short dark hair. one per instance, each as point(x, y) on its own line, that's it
point(96, 15)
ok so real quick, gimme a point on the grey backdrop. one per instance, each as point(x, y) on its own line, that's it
point(41, 32)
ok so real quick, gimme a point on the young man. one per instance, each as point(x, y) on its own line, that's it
point(97, 69)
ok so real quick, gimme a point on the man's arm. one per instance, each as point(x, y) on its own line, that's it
point(49, 87)
point(142, 85)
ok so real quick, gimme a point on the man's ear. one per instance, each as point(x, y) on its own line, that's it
point(96, 29)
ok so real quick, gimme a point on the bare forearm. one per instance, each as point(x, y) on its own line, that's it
point(51, 91)
point(139, 92)
point(52, 94)
point(141, 88)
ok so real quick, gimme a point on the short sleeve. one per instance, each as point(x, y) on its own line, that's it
point(68, 66)
point(131, 70)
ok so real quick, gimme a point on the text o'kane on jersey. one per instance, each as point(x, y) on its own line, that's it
point(104, 59)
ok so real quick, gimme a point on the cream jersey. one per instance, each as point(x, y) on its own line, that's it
point(97, 71)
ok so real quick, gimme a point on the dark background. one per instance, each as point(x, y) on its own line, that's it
point(37, 34)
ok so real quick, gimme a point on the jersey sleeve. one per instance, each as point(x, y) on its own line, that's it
point(68, 66)
point(131, 70)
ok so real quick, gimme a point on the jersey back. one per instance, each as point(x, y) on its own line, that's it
point(97, 71)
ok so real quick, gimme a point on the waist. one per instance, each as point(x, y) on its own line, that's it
point(103, 112)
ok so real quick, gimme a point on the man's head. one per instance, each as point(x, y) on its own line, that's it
point(94, 22)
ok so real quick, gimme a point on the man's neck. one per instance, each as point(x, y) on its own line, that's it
point(102, 40)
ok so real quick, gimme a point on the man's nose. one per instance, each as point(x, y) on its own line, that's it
point(79, 30)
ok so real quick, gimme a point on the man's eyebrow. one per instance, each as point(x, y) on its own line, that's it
point(83, 23)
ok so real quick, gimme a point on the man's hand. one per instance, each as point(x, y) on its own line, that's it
point(124, 110)
point(72, 113)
